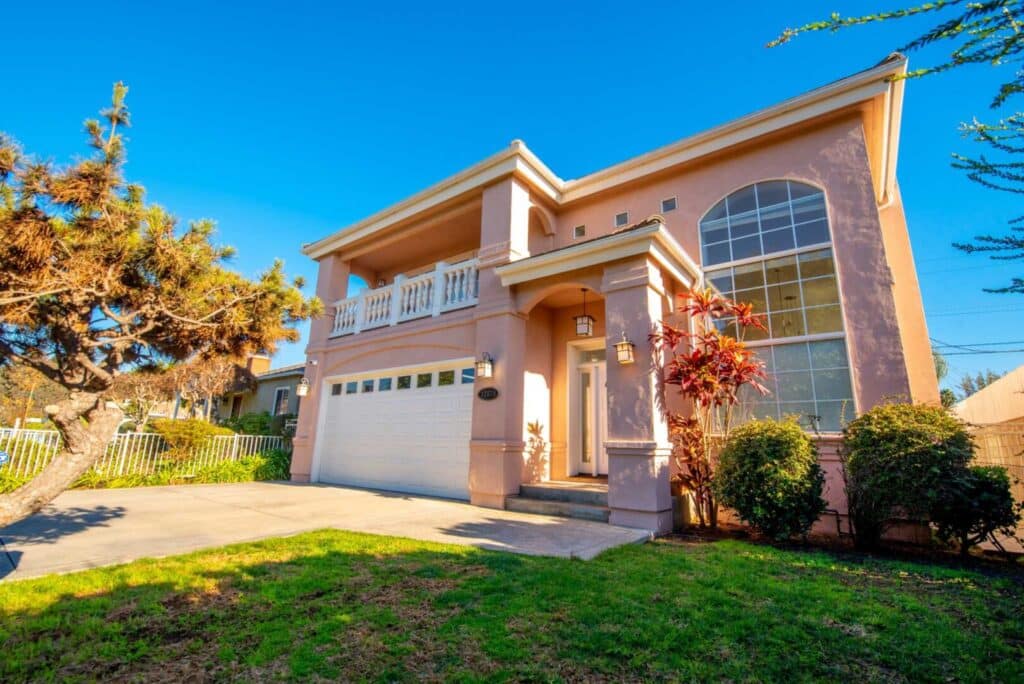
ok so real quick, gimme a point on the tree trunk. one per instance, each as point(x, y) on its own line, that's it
point(84, 441)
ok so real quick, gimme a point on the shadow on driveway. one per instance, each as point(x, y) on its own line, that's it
point(50, 524)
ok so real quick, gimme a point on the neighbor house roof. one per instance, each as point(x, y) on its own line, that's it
point(877, 91)
point(282, 372)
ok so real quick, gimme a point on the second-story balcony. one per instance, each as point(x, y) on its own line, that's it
point(445, 288)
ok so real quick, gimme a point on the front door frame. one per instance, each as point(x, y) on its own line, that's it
point(573, 364)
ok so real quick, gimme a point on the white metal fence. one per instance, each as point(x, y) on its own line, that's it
point(129, 453)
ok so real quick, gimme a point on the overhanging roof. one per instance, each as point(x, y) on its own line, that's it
point(648, 238)
point(878, 90)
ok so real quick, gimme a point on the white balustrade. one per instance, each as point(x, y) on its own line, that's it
point(446, 288)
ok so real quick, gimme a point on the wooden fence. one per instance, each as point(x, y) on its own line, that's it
point(129, 453)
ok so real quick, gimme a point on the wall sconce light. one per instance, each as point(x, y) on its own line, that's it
point(303, 388)
point(624, 350)
point(584, 323)
point(485, 366)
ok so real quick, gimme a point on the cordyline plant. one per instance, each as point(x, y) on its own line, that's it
point(95, 282)
point(709, 368)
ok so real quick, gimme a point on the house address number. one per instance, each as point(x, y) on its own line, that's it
point(488, 393)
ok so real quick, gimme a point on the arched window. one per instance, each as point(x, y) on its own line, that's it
point(769, 244)
point(763, 218)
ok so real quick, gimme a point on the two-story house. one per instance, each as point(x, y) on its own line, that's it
point(481, 359)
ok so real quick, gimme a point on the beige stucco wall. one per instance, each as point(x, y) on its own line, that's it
point(880, 297)
point(1001, 401)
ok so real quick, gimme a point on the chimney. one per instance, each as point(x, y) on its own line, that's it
point(257, 363)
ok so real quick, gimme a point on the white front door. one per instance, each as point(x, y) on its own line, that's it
point(589, 408)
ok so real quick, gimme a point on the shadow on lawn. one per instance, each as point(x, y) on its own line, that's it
point(359, 607)
point(51, 524)
point(336, 608)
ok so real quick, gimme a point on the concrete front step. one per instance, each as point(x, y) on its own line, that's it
point(567, 492)
point(564, 509)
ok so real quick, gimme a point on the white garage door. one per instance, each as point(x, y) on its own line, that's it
point(405, 430)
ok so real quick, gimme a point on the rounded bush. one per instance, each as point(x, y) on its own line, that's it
point(768, 473)
point(896, 457)
point(974, 504)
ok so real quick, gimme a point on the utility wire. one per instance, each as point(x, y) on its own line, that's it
point(966, 350)
point(976, 344)
point(967, 312)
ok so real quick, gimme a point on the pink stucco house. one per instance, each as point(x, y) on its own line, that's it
point(794, 208)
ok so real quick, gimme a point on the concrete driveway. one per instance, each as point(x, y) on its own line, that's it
point(91, 528)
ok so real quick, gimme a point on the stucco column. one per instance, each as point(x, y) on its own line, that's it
point(638, 447)
point(496, 447)
point(331, 285)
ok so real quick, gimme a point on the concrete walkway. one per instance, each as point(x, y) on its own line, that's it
point(92, 528)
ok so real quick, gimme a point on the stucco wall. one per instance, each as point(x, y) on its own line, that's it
point(881, 302)
point(1001, 401)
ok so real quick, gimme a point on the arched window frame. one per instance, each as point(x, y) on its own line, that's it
point(825, 354)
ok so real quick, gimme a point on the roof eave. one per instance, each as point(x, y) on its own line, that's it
point(652, 239)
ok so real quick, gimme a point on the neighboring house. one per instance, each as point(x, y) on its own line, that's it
point(795, 208)
point(1002, 402)
point(267, 390)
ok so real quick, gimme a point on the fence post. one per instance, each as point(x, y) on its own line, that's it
point(124, 450)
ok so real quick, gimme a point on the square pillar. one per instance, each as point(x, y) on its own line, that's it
point(638, 446)
point(331, 285)
point(496, 448)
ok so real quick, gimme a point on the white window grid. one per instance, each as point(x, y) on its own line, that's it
point(770, 313)
point(813, 200)
point(770, 343)
point(446, 377)
point(783, 407)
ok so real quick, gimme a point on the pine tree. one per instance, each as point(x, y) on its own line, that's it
point(95, 282)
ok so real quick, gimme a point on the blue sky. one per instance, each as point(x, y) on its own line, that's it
point(285, 121)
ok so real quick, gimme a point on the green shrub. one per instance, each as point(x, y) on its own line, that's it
point(251, 424)
point(768, 473)
point(277, 425)
point(896, 456)
point(185, 437)
point(974, 503)
point(10, 482)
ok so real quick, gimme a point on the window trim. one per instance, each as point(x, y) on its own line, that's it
point(674, 200)
point(579, 232)
point(277, 401)
point(625, 222)
point(830, 222)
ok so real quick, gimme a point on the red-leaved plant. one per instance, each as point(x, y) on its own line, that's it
point(709, 367)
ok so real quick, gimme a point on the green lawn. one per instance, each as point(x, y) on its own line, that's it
point(358, 607)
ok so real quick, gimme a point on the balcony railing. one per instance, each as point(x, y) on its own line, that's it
point(446, 288)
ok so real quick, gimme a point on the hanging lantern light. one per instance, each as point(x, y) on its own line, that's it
point(485, 366)
point(303, 388)
point(624, 350)
point(584, 323)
